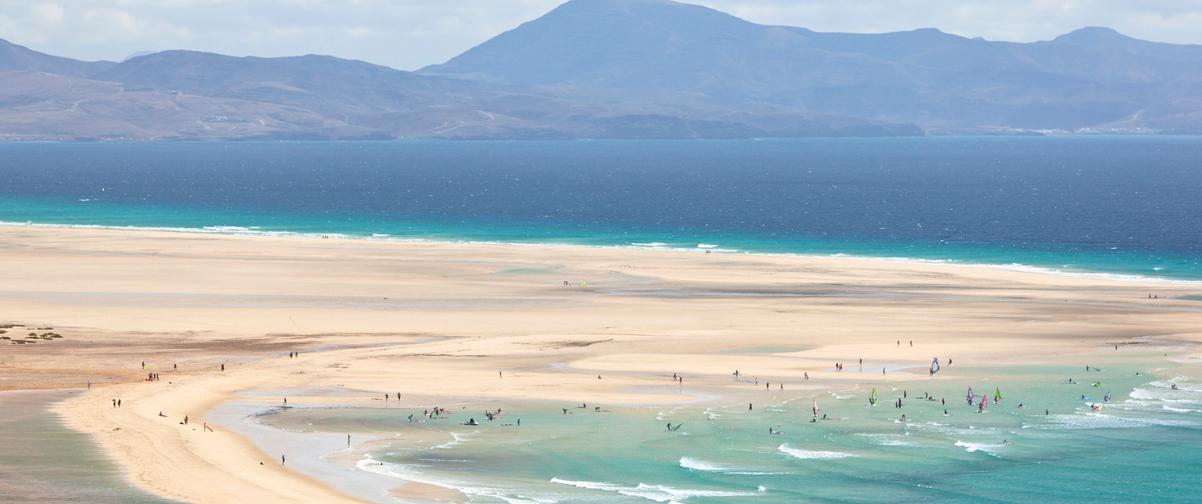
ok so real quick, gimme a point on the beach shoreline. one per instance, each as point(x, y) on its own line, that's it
point(700, 248)
point(217, 315)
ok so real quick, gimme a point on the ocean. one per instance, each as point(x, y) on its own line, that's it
point(1114, 205)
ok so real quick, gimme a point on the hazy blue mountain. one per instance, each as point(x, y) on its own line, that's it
point(1094, 77)
point(188, 94)
point(624, 69)
point(14, 57)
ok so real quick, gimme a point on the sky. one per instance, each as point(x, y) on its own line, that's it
point(409, 34)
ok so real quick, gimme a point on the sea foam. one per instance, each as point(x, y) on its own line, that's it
point(655, 493)
point(798, 453)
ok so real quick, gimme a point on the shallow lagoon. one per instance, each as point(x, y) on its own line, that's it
point(43, 461)
point(1145, 443)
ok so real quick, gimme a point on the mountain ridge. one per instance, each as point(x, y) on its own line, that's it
point(624, 69)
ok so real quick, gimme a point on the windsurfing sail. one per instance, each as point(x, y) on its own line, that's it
point(997, 395)
point(970, 396)
point(815, 408)
point(872, 397)
point(934, 366)
point(984, 401)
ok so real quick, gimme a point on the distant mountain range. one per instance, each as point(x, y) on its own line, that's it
point(624, 69)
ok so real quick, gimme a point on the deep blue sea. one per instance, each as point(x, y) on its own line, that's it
point(1130, 205)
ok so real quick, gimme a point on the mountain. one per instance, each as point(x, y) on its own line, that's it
point(1091, 78)
point(14, 57)
point(624, 69)
point(188, 94)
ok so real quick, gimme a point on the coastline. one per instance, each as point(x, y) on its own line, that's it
point(439, 319)
point(649, 246)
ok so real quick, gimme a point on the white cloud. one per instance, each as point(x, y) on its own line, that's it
point(412, 33)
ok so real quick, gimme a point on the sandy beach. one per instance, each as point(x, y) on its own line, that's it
point(445, 322)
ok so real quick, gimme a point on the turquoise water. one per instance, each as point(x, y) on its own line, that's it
point(1111, 205)
point(1145, 444)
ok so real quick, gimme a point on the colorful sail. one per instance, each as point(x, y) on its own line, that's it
point(997, 395)
point(970, 396)
point(984, 401)
point(872, 397)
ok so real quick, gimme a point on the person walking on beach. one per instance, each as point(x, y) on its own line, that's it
point(283, 460)
point(348, 440)
point(118, 403)
point(222, 367)
point(114, 402)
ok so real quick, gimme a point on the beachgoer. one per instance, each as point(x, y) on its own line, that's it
point(114, 403)
point(748, 406)
point(348, 440)
point(118, 403)
point(519, 422)
point(283, 460)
